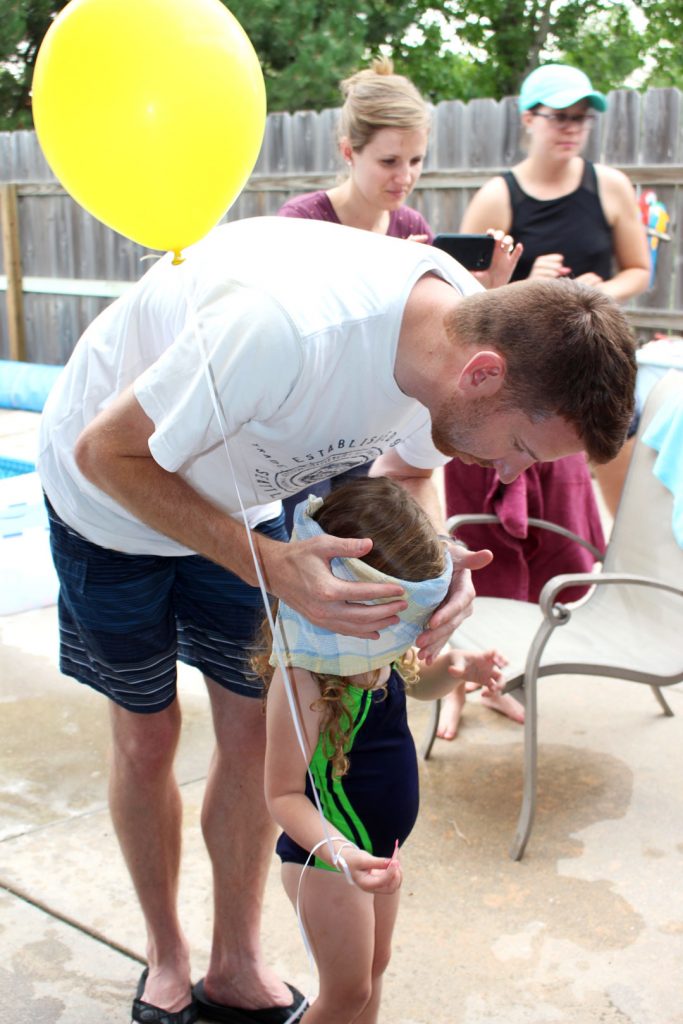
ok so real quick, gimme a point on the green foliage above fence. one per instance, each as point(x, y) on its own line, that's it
point(453, 49)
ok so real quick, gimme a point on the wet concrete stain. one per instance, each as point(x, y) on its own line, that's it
point(577, 787)
point(510, 934)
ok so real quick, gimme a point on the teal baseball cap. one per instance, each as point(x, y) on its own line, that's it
point(559, 86)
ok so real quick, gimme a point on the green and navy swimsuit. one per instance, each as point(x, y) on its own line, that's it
point(376, 802)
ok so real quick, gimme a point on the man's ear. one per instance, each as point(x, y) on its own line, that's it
point(483, 375)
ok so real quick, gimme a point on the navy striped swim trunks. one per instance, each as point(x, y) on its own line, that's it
point(124, 620)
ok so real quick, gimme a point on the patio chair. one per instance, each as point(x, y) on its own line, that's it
point(628, 626)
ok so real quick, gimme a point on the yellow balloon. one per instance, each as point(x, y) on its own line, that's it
point(150, 113)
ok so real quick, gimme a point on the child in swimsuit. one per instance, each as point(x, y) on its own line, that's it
point(349, 695)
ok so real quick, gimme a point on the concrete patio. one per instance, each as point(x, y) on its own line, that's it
point(587, 929)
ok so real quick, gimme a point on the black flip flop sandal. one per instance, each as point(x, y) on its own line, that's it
point(209, 1010)
point(147, 1013)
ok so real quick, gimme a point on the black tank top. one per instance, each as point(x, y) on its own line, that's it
point(574, 225)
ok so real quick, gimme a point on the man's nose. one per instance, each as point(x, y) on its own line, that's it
point(509, 469)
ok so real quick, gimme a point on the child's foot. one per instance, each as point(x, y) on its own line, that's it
point(449, 716)
point(505, 703)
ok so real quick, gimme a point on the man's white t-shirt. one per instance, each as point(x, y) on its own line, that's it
point(277, 334)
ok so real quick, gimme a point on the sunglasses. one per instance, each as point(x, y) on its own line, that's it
point(567, 120)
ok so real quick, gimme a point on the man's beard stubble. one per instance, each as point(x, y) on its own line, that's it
point(455, 426)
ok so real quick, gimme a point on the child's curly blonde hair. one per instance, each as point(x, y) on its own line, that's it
point(404, 545)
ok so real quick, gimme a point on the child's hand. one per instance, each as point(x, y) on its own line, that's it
point(497, 664)
point(483, 668)
point(380, 875)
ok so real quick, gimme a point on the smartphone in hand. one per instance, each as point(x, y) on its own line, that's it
point(474, 252)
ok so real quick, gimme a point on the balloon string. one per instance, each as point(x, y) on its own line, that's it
point(279, 646)
point(278, 635)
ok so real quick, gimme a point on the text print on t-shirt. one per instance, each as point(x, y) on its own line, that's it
point(320, 464)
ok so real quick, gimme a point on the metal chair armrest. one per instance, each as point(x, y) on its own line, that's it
point(482, 518)
point(547, 598)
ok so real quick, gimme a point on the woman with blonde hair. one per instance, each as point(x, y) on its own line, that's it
point(382, 136)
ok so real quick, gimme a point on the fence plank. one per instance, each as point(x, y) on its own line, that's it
point(622, 128)
point(484, 145)
point(11, 254)
point(662, 128)
point(448, 135)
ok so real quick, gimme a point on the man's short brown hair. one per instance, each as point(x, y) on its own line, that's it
point(569, 352)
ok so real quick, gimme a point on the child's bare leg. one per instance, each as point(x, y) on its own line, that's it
point(340, 923)
point(386, 909)
point(451, 710)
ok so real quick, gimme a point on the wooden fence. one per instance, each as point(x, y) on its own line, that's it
point(60, 267)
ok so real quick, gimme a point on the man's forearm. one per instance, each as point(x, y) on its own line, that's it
point(169, 505)
point(425, 492)
point(113, 454)
point(421, 486)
